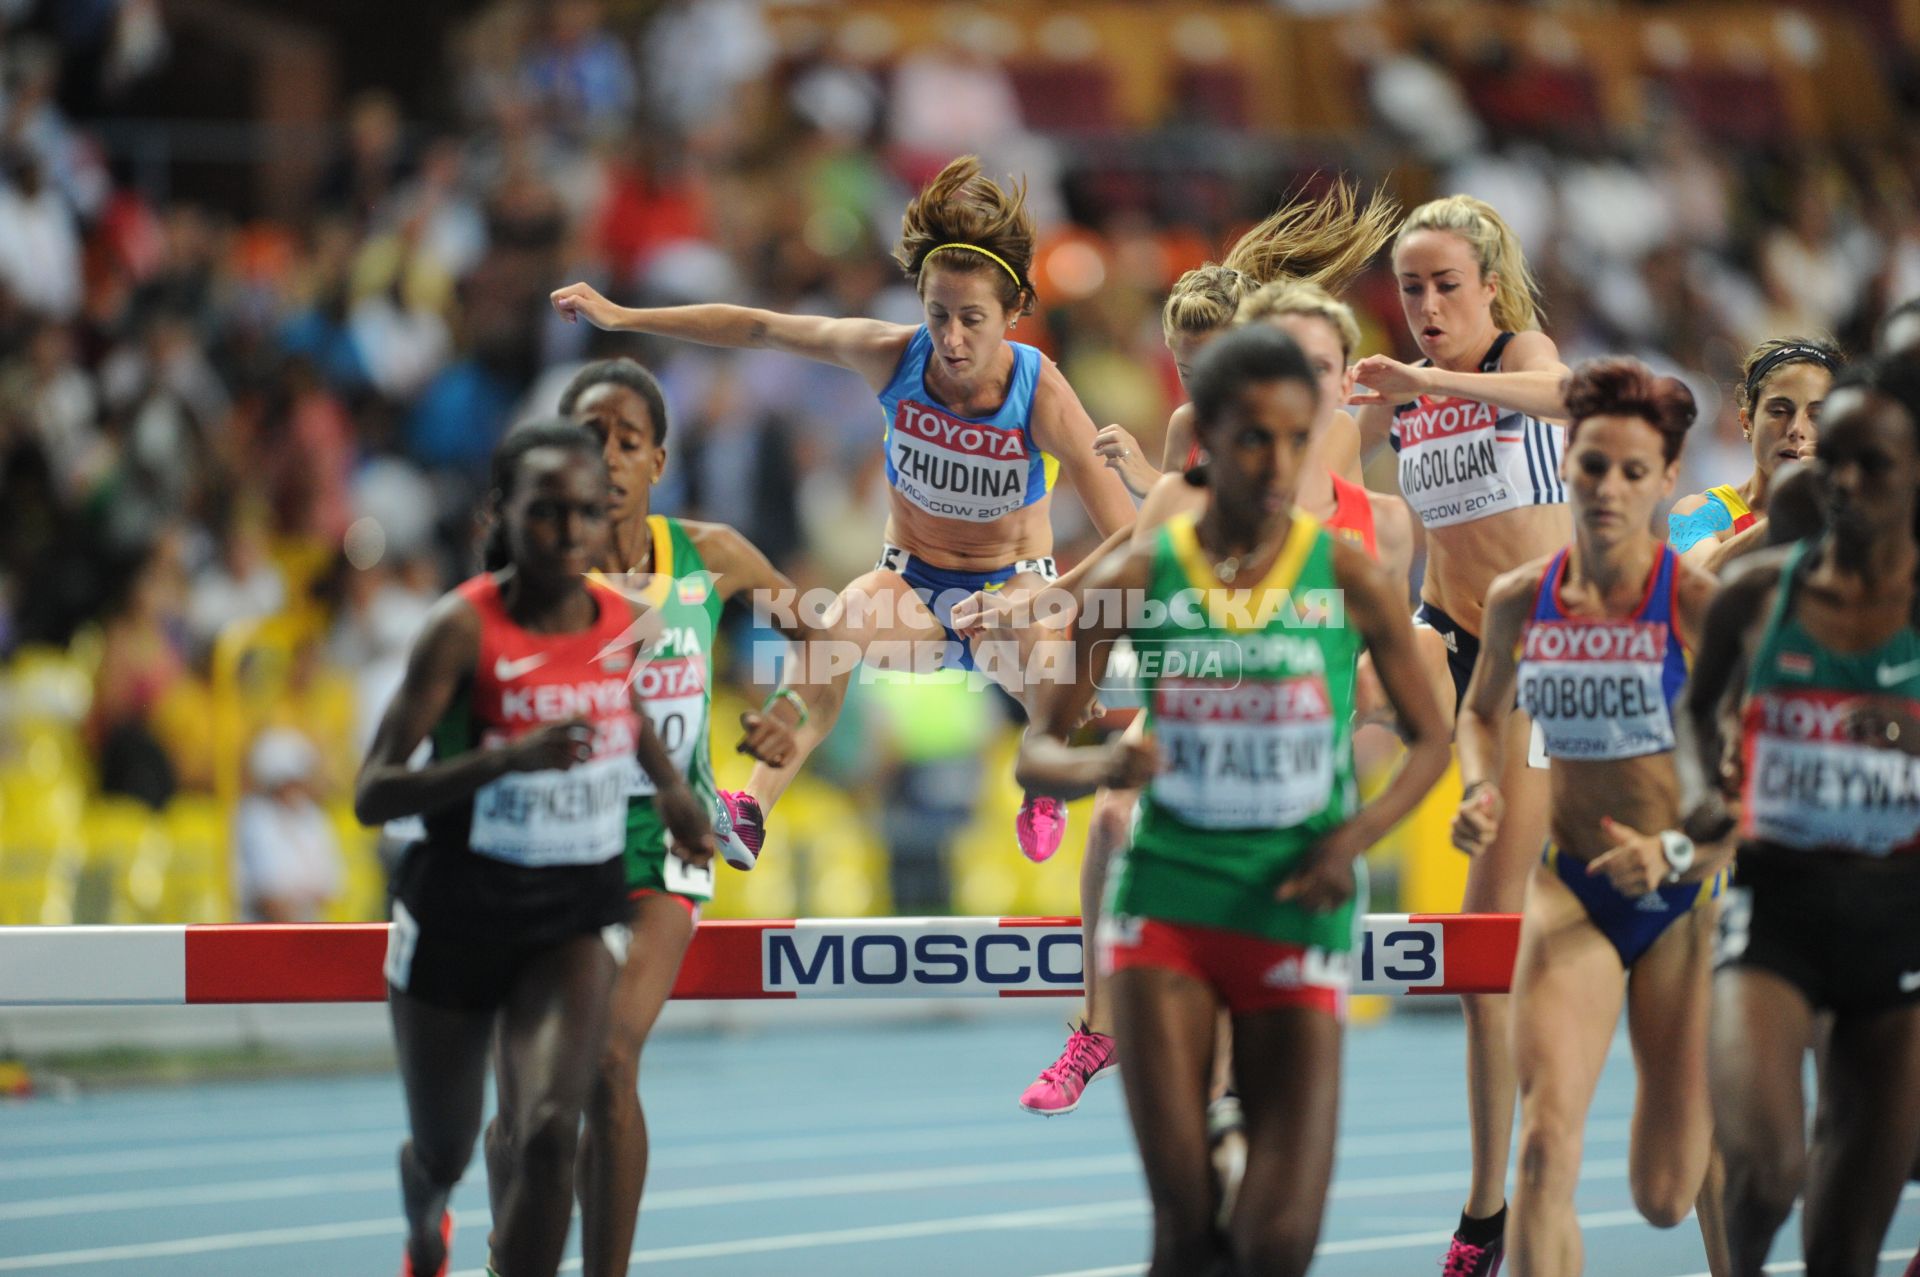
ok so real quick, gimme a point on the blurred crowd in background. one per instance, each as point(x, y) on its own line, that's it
point(244, 428)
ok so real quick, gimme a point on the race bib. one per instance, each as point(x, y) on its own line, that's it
point(954, 468)
point(572, 817)
point(683, 878)
point(673, 695)
point(1450, 462)
point(1814, 780)
point(1596, 690)
point(1253, 756)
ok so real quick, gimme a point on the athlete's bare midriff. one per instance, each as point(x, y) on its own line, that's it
point(965, 546)
point(1464, 559)
point(1640, 793)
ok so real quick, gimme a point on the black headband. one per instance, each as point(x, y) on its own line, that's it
point(1793, 354)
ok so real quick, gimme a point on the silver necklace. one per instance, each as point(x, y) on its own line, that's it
point(1229, 568)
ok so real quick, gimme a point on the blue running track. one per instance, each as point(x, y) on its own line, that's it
point(891, 1150)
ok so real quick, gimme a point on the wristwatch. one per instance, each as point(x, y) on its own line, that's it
point(1678, 849)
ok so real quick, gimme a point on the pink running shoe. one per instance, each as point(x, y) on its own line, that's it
point(1473, 1261)
point(1040, 826)
point(1058, 1088)
point(743, 831)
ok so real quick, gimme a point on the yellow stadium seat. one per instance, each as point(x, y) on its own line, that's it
point(1433, 876)
point(363, 881)
point(123, 877)
point(41, 849)
point(198, 884)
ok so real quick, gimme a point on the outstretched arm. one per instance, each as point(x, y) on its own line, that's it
point(866, 346)
point(1529, 380)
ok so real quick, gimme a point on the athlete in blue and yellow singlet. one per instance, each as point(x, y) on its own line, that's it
point(975, 427)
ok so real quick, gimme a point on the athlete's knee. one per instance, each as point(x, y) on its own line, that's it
point(616, 1082)
point(1662, 1195)
point(1765, 1179)
point(1484, 1009)
point(1187, 1243)
point(1187, 1223)
point(1275, 1246)
point(548, 1136)
point(440, 1160)
point(1549, 1150)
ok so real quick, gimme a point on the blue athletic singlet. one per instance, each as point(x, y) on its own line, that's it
point(1602, 688)
point(976, 469)
point(1462, 460)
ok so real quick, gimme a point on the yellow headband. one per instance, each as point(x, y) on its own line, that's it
point(987, 253)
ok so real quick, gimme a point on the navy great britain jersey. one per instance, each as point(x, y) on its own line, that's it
point(974, 468)
point(1602, 688)
point(1462, 460)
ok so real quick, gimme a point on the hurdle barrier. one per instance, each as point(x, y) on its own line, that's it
point(1415, 954)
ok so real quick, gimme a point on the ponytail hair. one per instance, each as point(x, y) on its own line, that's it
point(548, 432)
point(1325, 242)
point(1516, 297)
point(1623, 387)
point(1272, 301)
point(974, 225)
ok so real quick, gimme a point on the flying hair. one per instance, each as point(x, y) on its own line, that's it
point(972, 224)
point(1516, 297)
point(1324, 242)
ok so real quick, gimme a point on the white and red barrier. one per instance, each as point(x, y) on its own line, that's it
point(762, 958)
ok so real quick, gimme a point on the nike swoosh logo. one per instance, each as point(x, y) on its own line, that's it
point(1891, 674)
point(1909, 981)
point(505, 671)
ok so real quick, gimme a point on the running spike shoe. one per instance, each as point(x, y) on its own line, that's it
point(1464, 1260)
point(1057, 1090)
point(743, 829)
point(446, 1240)
point(1040, 826)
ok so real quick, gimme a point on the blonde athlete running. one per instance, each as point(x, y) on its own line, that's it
point(1474, 424)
